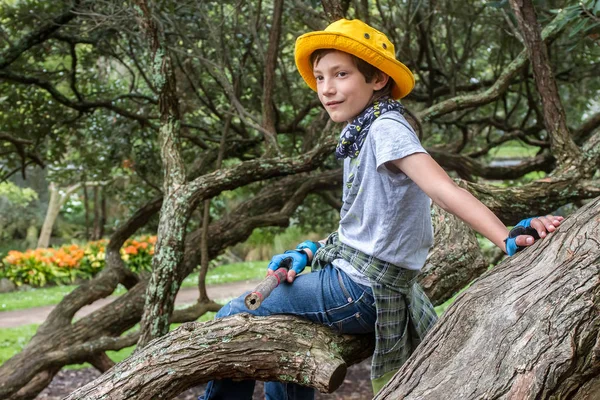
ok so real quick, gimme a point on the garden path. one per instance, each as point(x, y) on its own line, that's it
point(37, 315)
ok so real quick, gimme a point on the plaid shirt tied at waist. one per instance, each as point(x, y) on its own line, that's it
point(404, 313)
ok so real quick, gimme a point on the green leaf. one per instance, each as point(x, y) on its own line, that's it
point(578, 27)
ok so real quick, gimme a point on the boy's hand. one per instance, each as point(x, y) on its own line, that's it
point(298, 260)
point(522, 236)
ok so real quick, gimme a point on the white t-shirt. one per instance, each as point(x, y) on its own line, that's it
point(384, 213)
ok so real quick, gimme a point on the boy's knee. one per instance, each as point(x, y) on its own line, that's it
point(235, 306)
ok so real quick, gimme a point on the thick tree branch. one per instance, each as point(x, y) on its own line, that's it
point(528, 329)
point(280, 348)
point(467, 167)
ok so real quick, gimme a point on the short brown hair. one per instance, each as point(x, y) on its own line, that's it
point(366, 69)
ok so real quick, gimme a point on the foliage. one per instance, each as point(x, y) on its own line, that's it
point(102, 59)
point(67, 263)
point(266, 242)
point(17, 210)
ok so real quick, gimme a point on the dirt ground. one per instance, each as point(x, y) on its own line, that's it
point(356, 386)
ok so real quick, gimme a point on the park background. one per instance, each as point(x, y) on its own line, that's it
point(148, 146)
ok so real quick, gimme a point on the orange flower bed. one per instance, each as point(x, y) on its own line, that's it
point(65, 264)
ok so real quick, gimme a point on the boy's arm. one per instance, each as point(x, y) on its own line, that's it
point(434, 181)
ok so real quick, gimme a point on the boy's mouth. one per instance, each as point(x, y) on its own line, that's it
point(332, 103)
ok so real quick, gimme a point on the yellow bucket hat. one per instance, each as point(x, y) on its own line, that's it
point(359, 39)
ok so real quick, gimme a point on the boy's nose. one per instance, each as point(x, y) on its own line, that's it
point(329, 87)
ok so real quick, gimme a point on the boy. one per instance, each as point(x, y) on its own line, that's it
point(364, 275)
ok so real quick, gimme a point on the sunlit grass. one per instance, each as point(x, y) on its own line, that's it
point(514, 149)
point(230, 273)
point(12, 340)
point(34, 297)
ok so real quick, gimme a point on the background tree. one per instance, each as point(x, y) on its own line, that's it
point(84, 72)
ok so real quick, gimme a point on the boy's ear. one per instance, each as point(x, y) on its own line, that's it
point(381, 80)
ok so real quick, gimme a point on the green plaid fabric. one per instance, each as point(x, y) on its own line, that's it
point(404, 313)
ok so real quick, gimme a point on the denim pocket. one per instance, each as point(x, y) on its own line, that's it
point(361, 321)
point(356, 315)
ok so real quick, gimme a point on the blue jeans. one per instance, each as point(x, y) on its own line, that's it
point(328, 297)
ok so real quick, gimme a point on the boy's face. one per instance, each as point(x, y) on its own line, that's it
point(341, 87)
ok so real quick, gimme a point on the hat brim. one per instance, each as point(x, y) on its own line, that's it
point(309, 42)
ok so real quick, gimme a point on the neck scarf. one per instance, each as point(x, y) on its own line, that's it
point(354, 134)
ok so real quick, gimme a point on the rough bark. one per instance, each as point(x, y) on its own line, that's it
point(276, 348)
point(529, 329)
point(335, 9)
point(176, 207)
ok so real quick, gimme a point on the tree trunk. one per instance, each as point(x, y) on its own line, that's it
point(56, 202)
point(102, 212)
point(177, 205)
point(555, 120)
point(95, 230)
point(529, 329)
point(86, 207)
point(268, 108)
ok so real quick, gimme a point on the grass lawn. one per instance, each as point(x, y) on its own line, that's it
point(53, 295)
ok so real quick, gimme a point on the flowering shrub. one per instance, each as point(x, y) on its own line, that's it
point(65, 264)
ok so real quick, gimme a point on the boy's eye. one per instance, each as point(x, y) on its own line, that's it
point(342, 74)
point(319, 78)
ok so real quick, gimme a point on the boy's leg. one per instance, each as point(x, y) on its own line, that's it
point(285, 391)
point(226, 389)
point(328, 297)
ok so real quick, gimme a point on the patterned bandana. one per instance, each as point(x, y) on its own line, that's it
point(354, 134)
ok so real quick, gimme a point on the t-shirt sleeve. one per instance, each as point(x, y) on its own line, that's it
point(393, 140)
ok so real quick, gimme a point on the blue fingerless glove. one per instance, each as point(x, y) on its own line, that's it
point(522, 228)
point(298, 259)
point(308, 244)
